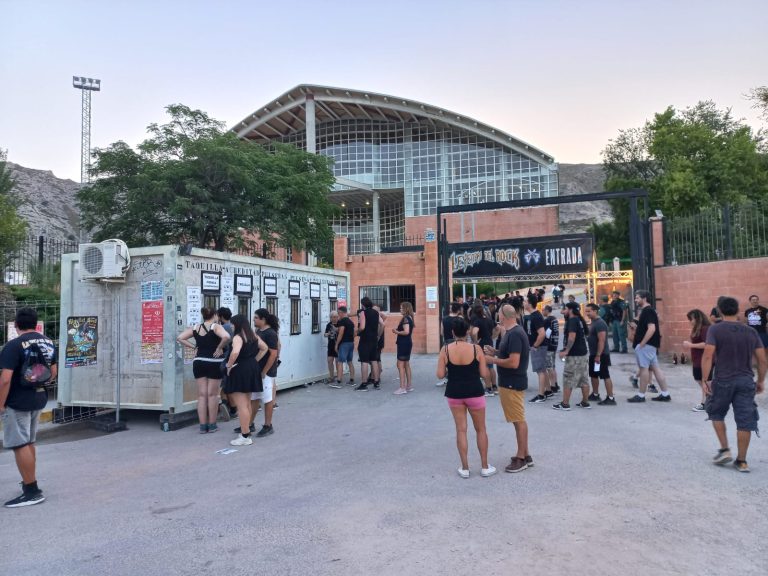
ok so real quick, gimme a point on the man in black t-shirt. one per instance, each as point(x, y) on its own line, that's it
point(537, 340)
point(646, 342)
point(367, 345)
point(345, 345)
point(552, 332)
point(331, 331)
point(757, 317)
point(447, 326)
point(20, 405)
point(482, 334)
point(576, 371)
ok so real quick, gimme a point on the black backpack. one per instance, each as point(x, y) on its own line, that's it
point(35, 370)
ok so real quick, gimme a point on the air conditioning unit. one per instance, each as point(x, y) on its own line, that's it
point(104, 261)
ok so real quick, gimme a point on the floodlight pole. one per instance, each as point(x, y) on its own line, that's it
point(86, 86)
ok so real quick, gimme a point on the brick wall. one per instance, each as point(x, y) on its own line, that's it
point(491, 225)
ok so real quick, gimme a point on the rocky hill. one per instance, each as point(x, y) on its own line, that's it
point(578, 179)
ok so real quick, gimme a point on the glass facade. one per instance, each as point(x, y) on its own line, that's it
point(433, 165)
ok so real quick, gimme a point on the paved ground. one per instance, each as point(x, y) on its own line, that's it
point(365, 483)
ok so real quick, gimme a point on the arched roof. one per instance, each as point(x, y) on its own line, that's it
point(286, 115)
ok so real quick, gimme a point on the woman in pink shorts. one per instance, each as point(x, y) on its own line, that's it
point(463, 363)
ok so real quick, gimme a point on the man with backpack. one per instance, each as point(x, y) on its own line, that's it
point(27, 365)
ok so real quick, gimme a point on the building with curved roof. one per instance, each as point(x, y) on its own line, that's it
point(396, 159)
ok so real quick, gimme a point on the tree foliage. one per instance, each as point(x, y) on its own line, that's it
point(193, 181)
point(688, 160)
point(13, 228)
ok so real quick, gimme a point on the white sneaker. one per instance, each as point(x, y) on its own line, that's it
point(441, 383)
point(490, 471)
point(241, 441)
point(463, 473)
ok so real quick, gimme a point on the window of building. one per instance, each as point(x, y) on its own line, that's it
point(243, 306)
point(334, 305)
point(211, 301)
point(271, 305)
point(295, 316)
point(389, 298)
point(289, 254)
point(315, 316)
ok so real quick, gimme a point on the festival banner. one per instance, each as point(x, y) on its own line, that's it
point(82, 340)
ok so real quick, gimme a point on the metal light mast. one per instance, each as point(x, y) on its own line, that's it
point(86, 86)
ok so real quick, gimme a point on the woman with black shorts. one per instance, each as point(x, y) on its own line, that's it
point(699, 326)
point(210, 340)
point(404, 342)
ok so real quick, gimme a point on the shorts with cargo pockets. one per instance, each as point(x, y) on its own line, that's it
point(19, 427)
point(738, 392)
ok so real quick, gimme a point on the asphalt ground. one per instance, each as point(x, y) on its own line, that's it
point(358, 483)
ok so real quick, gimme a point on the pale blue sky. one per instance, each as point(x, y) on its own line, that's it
point(562, 75)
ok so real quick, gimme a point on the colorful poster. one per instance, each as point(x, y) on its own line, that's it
point(82, 341)
point(151, 290)
point(152, 332)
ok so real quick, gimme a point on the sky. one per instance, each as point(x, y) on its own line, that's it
point(564, 76)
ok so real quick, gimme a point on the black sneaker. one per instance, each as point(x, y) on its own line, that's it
point(636, 398)
point(537, 399)
point(652, 388)
point(562, 406)
point(362, 388)
point(723, 456)
point(232, 412)
point(740, 465)
point(594, 397)
point(265, 431)
point(26, 500)
point(251, 429)
point(529, 461)
point(549, 394)
point(584, 404)
point(334, 384)
point(555, 388)
point(607, 402)
point(376, 386)
point(662, 398)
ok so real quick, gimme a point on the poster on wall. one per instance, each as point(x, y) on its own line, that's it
point(228, 292)
point(270, 286)
point(152, 332)
point(194, 304)
point(332, 291)
point(82, 340)
point(243, 285)
point(210, 282)
point(151, 290)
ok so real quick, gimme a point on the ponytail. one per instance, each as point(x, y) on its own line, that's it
point(271, 319)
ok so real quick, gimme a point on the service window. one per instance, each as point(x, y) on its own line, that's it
point(211, 301)
point(315, 316)
point(271, 305)
point(389, 298)
point(244, 306)
point(334, 305)
point(296, 316)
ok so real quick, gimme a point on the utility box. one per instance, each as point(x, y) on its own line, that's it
point(118, 338)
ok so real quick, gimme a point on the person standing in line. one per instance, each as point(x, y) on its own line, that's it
point(757, 317)
point(618, 324)
point(404, 342)
point(552, 332)
point(454, 311)
point(334, 380)
point(599, 358)
point(576, 371)
point(210, 340)
point(368, 331)
point(537, 341)
point(345, 345)
point(512, 361)
point(646, 342)
point(268, 327)
point(462, 365)
point(699, 327)
point(225, 317)
point(244, 374)
point(21, 401)
point(380, 344)
point(482, 334)
point(733, 348)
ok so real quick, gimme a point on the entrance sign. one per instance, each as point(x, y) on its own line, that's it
point(545, 255)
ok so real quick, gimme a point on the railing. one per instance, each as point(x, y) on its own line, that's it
point(38, 255)
point(369, 245)
point(721, 233)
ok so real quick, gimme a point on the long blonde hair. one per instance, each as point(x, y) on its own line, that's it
point(407, 309)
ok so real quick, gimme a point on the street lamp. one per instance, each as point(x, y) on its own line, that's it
point(86, 86)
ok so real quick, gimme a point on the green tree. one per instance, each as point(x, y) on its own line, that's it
point(193, 181)
point(13, 229)
point(688, 160)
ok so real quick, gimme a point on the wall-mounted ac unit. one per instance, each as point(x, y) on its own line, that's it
point(103, 261)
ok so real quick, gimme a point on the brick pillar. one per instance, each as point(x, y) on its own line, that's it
point(657, 237)
point(432, 309)
point(340, 252)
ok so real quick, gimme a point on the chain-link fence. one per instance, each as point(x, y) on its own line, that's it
point(721, 233)
point(37, 256)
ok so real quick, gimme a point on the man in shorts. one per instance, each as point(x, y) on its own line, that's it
point(552, 332)
point(733, 347)
point(599, 357)
point(646, 342)
point(367, 344)
point(345, 345)
point(20, 404)
point(537, 340)
point(576, 372)
point(511, 359)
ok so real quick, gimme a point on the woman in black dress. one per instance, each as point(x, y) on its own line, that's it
point(243, 373)
point(404, 342)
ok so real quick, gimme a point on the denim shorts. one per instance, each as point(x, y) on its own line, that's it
point(346, 351)
point(739, 393)
point(646, 356)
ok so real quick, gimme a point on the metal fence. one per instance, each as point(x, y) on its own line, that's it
point(369, 245)
point(38, 255)
point(722, 233)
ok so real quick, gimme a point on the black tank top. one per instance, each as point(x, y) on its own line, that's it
point(371, 332)
point(206, 342)
point(463, 379)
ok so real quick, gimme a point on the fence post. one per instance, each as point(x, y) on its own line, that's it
point(727, 231)
point(40, 249)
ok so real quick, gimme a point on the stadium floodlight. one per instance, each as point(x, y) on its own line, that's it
point(86, 86)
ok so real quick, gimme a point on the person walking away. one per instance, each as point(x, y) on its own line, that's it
point(334, 380)
point(404, 342)
point(454, 311)
point(345, 345)
point(733, 347)
point(699, 327)
point(482, 334)
point(368, 331)
point(27, 364)
point(757, 317)
point(537, 341)
point(576, 371)
point(620, 320)
point(268, 328)
point(210, 340)
point(461, 364)
point(552, 333)
point(225, 318)
point(599, 358)
point(646, 342)
point(244, 374)
point(511, 359)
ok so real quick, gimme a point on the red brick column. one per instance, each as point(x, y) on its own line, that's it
point(432, 309)
point(657, 238)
